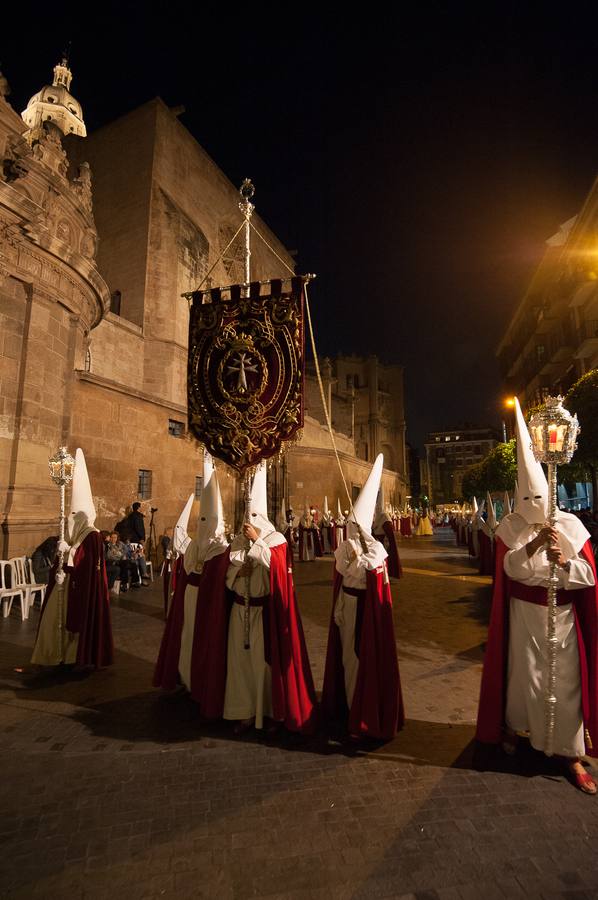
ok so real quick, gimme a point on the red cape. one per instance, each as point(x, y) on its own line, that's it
point(293, 694)
point(88, 603)
point(395, 569)
point(486, 556)
point(405, 526)
point(377, 707)
point(166, 674)
point(493, 692)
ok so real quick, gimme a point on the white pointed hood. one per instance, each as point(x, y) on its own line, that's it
point(339, 512)
point(282, 522)
point(474, 507)
point(210, 527)
point(83, 512)
point(380, 514)
point(258, 504)
point(365, 505)
point(210, 539)
point(506, 504)
point(180, 537)
point(532, 487)
point(491, 520)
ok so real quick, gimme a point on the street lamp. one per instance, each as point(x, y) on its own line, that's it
point(553, 431)
point(510, 404)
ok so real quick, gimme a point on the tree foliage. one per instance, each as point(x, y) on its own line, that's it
point(496, 472)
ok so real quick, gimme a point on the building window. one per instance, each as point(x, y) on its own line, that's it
point(115, 300)
point(437, 439)
point(447, 438)
point(176, 429)
point(87, 364)
point(144, 484)
point(198, 486)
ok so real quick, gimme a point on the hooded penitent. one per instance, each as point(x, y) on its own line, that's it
point(364, 506)
point(531, 502)
point(180, 538)
point(506, 505)
point(339, 512)
point(83, 512)
point(258, 504)
point(532, 487)
point(282, 522)
point(210, 537)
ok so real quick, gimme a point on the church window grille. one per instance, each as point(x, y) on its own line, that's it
point(144, 484)
point(198, 486)
point(175, 428)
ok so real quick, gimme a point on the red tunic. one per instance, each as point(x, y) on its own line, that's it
point(88, 603)
point(493, 692)
point(377, 707)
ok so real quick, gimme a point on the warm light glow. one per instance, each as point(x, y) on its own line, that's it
point(510, 402)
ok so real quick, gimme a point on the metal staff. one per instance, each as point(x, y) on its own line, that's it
point(247, 563)
point(247, 191)
point(62, 468)
point(553, 431)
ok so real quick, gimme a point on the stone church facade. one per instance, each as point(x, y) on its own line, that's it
point(99, 237)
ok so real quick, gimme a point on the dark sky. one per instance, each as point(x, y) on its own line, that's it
point(417, 160)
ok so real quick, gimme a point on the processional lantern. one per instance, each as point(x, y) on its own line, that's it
point(62, 469)
point(553, 431)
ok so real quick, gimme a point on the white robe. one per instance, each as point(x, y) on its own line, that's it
point(54, 644)
point(528, 666)
point(248, 691)
point(352, 563)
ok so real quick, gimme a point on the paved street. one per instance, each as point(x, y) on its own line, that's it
point(111, 789)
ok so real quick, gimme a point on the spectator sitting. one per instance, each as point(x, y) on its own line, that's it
point(138, 557)
point(118, 563)
point(43, 558)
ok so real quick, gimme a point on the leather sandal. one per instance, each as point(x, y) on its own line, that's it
point(584, 781)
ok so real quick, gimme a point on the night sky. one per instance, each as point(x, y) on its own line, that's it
point(416, 160)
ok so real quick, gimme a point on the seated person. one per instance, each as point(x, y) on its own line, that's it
point(119, 563)
point(43, 558)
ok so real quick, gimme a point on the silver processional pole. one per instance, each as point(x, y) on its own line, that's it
point(553, 431)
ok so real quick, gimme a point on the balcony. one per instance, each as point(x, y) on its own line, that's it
point(587, 337)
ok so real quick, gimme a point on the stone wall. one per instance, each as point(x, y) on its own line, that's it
point(51, 296)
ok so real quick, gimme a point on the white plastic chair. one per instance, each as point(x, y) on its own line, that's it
point(10, 589)
point(33, 587)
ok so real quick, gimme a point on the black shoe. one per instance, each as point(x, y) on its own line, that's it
point(124, 589)
point(135, 586)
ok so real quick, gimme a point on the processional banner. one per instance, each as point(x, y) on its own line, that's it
point(246, 370)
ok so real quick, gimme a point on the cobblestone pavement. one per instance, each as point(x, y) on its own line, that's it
point(111, 789)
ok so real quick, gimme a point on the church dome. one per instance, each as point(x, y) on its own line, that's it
point(55, 104)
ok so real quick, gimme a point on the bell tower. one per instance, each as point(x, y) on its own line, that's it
point(55, 105)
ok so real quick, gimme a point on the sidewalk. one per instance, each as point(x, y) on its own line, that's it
point(112, 790)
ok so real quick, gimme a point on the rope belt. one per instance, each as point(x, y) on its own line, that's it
point(253, 601)
point(354, 592)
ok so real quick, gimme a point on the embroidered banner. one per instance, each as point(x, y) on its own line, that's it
point(246, 370)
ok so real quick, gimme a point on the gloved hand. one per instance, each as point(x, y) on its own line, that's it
point(63, 547)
